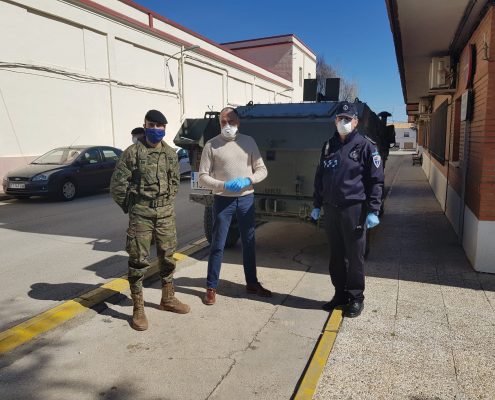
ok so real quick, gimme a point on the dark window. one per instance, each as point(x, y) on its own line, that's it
point(438, 132)
point(182, 153)
point(92, 156)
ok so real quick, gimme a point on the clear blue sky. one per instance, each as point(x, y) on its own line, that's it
point(353, 36)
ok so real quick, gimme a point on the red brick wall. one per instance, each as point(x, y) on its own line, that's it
point(480, 181)
point(486, 151)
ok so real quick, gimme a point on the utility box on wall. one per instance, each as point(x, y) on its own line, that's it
point(439, 71)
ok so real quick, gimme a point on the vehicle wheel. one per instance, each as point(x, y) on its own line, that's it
point(232, 236)
point(22, 196)
point(67, 190)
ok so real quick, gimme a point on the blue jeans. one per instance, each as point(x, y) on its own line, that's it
point(223, 209)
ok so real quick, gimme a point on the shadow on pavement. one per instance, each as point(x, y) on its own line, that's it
point(235, 290)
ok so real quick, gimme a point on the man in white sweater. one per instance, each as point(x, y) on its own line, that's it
point(230, 165)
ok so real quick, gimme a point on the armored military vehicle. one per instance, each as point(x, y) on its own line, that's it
point(290, 138)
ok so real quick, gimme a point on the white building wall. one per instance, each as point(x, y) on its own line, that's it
point(303, 67)
point(405, 135)
point(477, 236)
point(69, 74)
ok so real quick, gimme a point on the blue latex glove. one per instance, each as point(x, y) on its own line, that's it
point(315, 214)
point(372, 220)
point(231, 185)
point(237, 184)
point(243, 183)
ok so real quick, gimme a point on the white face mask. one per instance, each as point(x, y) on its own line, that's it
point(344, 128)
point(229, 132)
point(134, 139)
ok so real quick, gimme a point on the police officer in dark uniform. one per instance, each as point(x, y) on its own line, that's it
point(348, 185)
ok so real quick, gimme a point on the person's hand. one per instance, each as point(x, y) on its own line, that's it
point(243, 183)
point(315, 214)
point(372, 220)
point(237, 184)
point(231, 185)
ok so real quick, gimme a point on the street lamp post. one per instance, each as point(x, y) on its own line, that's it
point(181, 75)
point(181, 52)
point(283, 91)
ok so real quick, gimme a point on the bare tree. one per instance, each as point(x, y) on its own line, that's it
point(323, 71)
point(348, 89)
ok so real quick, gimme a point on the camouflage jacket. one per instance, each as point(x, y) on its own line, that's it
point(146, 180)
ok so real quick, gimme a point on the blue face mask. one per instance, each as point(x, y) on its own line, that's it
point(154, 135)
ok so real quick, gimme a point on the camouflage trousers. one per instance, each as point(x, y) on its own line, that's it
point(139, 236)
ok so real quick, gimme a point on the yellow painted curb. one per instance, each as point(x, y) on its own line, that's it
point(52, 318)
point(309, 382)
point(24, 332)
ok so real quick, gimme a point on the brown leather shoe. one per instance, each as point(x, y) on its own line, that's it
point(256, 288)
point(210, 295)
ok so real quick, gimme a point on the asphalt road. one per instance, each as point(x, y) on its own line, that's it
point(52, 251)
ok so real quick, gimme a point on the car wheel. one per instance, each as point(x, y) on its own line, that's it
point(67, 191)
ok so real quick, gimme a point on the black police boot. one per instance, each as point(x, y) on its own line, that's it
point(335, 302)
point(354, 309)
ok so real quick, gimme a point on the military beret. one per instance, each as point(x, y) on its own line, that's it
point(155, 116)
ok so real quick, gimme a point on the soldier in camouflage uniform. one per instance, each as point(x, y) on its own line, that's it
point(144, 184)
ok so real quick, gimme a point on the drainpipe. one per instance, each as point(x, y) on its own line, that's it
point(181, 86)
point(452, 117)
point(467, 129)
point(109, 67)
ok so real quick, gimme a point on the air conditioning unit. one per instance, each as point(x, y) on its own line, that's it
point(424, 106)
point(439, 72)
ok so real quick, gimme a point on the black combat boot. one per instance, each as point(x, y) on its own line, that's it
point(354, 309)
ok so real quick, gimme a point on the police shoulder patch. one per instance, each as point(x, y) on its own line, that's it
point(371, 140)
point(377, 161)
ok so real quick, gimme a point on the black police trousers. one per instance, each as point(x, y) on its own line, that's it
point(346, 231)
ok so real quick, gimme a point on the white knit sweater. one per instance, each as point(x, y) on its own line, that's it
point(223, 160)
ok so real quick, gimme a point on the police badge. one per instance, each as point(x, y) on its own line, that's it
point(354, 154)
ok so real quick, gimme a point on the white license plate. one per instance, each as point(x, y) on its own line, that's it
point(13, 185)
point(195, 182)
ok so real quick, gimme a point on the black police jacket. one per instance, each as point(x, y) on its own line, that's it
point(349, 172)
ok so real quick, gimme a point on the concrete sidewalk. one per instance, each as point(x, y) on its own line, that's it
point(428, 327)
point(243, 347)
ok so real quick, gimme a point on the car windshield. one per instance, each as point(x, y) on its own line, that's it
point(58, 157)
